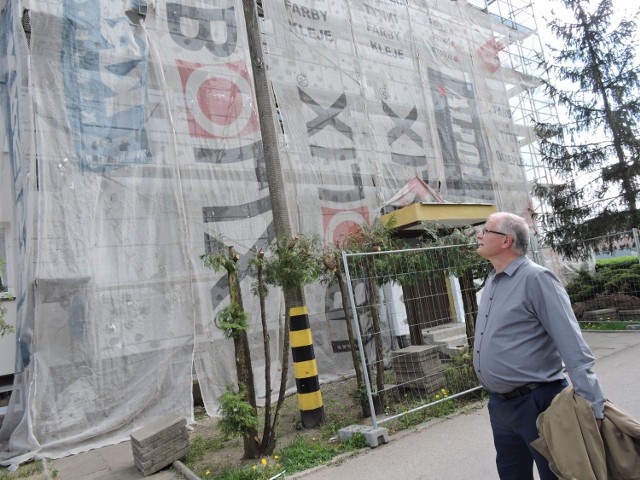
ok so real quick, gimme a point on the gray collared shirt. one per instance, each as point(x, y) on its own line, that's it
point(525, 330)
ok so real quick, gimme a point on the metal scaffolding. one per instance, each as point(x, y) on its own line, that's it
point(526, 96)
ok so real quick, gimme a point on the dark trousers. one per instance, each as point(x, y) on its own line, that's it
point(514, 427)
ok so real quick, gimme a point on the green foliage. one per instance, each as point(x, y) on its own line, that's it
point(357, 441)
point(293, 262)
point(305, 453)
point(414, 418)
point(448, 248)
point(605, 326)
point(232, 320)
point(610, 278)
point(459, 373)
point(624, 282)
point(330, 259)
point(260, 471)
point(237, 416)
point(459, 252)
point(595, 154)
point(301, 454)
point(585, 286)
point(4, 327)
point(199, 446)
point(256, 263)
point(23, 471)
point(441, 407)
point(218, 262)
point(630, 261)
point(373, 239)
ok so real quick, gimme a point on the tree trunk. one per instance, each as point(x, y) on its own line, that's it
point(377, 338)
point(353, 344)
point(412, 305)
point(244, 370)
point(266, 433)
point(270, 443)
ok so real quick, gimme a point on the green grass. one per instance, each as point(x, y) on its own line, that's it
point(605, 325)
point(23, 471)
point(199, 446)
point(306, 452)
point(303, 453)
point(310, 449)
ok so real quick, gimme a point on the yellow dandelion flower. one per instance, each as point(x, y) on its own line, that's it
point(263, 461)
point(207, 472)
point(254, 467)
point(276, 457)
point(437, 397)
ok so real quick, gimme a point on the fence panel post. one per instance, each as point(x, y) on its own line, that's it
point(428, 376)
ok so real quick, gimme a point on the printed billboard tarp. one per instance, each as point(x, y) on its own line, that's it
point(149, 154)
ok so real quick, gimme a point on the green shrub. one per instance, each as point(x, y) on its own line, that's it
point(613, 277)
point(623, 281)
point(585, 286)
point(232, 320)
point(617, 263)
point(459, 373)
point(237, 415)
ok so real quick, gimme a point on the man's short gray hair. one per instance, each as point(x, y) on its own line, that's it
point(517, 228)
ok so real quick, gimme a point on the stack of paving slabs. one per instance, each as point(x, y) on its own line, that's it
point(418, 367)
point(160, 443)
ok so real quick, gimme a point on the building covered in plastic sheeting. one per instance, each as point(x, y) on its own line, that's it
point(131, 145)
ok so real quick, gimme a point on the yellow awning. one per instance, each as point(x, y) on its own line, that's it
point(450, 214)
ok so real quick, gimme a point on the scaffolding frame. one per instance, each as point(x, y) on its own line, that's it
point(523, 54)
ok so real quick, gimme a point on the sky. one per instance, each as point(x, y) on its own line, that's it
point(543, 9)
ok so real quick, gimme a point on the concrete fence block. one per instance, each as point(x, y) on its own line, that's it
point(373, 436)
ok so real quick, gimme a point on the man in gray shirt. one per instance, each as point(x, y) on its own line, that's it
point(525, 330)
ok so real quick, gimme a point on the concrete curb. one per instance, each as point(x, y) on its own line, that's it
point(184, 470)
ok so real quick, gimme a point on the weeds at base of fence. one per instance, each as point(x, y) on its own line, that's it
point(303, 453)
point(23, 471)
point(609, 326)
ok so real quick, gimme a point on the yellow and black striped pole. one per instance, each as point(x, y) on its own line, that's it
point(305, 369)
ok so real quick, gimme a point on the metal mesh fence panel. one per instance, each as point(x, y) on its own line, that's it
point(414, 312)
point(604, 284)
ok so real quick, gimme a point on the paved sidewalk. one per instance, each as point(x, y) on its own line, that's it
point(461, 447)
point(458, 448)
point(114, 462)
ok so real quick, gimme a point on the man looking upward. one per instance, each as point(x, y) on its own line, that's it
point(525, 330)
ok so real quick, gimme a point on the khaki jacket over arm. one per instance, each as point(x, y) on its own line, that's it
point(576, 450)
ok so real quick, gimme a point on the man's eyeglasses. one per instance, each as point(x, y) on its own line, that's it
point(486, 230)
